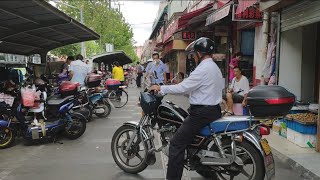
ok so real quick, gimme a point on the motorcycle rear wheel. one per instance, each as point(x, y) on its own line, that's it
point(258, 172)
point(107, 109)
point(128, 155)
point(77, 120)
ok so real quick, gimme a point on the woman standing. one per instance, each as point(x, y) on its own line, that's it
point(234, 63)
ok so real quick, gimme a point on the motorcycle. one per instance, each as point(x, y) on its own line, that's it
point(96, 102)
point(228, 148)
point(14, 123)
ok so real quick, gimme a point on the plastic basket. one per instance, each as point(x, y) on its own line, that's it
point(6, 99)
point(301, 128)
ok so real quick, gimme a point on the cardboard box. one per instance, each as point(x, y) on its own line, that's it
point(302, 140)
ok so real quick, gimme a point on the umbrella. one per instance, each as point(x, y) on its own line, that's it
point(109, 58)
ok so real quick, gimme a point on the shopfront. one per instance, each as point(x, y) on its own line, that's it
point(234, 31)
point(299, 67)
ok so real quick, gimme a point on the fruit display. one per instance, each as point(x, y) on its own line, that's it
point(304, 118)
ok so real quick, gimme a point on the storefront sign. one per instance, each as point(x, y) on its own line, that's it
point(252, 14)
point(219, 14)
point(188, 35)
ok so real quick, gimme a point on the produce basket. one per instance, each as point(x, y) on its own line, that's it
point(303, 118)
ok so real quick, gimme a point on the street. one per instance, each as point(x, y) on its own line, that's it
point(89, 157)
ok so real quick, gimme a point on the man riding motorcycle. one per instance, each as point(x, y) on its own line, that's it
point(204, 86)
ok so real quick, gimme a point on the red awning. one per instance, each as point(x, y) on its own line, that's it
point(244, 4)
point(221, 3)
point(184, 19)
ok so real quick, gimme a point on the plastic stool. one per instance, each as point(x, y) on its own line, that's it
point(239, 110)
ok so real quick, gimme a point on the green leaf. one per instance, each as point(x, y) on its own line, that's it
point(108, 23)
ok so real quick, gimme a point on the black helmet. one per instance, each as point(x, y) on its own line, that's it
point(202, 45)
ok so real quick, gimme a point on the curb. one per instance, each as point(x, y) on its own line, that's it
point(304, 173)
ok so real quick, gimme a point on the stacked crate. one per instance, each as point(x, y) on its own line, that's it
point(302, 128)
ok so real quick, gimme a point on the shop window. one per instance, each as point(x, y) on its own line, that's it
point(247, 43)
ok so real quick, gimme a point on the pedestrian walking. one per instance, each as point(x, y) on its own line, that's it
point(156, 70)
point(139, 70)
point(204, 85)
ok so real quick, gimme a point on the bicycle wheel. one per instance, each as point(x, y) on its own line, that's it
point(118, 99)
point(132, 83)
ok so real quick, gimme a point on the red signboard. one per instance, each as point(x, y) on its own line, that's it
point(249, 14)
point(188, 35)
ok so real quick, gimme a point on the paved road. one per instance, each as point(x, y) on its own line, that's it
point(89, 157)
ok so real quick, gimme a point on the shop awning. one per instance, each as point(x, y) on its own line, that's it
point(157, 24)
point(218, 14)
point(36, 27)
point(202, 17)
point(109, 58)
point(244, 4)
point(184, 19)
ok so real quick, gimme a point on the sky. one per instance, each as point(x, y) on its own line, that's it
point(140, 14)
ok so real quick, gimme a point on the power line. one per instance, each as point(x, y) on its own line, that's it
point(144, 23)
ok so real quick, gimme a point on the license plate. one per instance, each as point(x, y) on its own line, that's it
point(265, 146)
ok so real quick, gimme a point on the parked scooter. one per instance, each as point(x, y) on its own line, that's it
point(13, 123)
point(95, 102)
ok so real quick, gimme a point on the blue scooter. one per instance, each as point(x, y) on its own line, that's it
point(96, 102)
point(13, 123)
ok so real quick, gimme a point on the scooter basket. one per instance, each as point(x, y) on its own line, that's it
point(148, 103)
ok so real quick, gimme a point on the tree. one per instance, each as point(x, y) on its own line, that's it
point(109, 23)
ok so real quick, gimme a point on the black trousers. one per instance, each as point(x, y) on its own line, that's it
point(138, 81)
point(199, 117)
point(119, 91)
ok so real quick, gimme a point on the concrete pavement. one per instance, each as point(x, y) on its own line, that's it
point(89, 157)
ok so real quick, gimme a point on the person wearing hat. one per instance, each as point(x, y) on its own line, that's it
point(204, 87)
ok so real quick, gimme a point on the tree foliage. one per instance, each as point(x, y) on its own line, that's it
point(108, 23)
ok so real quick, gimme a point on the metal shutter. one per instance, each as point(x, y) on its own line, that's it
point(301, 14)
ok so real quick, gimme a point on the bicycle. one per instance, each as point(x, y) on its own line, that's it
point(130, 80)
point(117, 98)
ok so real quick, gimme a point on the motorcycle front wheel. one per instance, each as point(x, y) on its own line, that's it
point(7, 137)
point(76, 128)
point(134, 159)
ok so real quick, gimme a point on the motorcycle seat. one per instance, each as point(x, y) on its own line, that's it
point(57, 100)
point(226, 124)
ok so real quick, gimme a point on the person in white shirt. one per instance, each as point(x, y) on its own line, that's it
point(237, 92)
point(204, 86)
point(79, 70)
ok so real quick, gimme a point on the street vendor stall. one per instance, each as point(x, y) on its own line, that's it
point(109, 58)
point(105, 60)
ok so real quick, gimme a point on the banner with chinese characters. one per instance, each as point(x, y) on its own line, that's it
point(251, 13)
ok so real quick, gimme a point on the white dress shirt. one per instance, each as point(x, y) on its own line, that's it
point(241, 87)
point(204, 85)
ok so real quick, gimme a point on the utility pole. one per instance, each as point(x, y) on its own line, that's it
point(83, 47)
point(109, 4)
